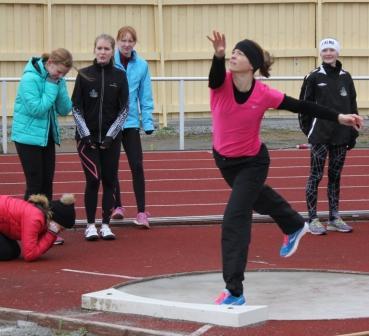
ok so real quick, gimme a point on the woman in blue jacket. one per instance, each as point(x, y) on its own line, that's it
point(42, 96)
point(141, 106)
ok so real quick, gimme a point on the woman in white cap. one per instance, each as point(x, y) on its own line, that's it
point(238, 102)
point(34, 223)
point(332, 86)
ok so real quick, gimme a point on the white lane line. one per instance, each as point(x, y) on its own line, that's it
point(189, 179)
point(193, 168)
point(202, 330)
point(120, 170)
point(102, 274)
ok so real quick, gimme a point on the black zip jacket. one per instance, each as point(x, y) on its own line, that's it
point(100, 102)
point(332, 87)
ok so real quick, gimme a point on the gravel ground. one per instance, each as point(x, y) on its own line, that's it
point(25, 328)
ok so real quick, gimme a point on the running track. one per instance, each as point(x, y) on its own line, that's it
point(189, 184)
point(180, 184)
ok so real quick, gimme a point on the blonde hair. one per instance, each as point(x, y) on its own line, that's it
point(41, 202)
point(105, 37)
point(127, 29)
point(59, 56)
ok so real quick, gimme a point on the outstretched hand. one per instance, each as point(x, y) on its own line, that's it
point(353, 120)
point(219, 43)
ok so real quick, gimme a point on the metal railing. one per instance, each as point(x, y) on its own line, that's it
point(181, 99)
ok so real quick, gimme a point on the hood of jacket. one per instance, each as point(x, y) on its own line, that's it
point(36, 65)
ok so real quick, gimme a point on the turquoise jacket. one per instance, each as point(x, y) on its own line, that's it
point(37, 106)
point(141, 104)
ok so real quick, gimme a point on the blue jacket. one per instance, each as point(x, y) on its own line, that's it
point(37, 104)
point(140, 92)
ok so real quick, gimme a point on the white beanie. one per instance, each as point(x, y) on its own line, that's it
point(330, 43)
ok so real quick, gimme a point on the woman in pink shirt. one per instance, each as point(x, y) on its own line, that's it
point(238, 102)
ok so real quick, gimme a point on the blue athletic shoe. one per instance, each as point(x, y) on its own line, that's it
point(291, 242)
point(226, 298)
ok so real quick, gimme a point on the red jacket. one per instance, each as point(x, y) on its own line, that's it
point(21, 220)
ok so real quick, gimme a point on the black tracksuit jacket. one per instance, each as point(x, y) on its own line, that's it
point(100, 102)
point(332, 87)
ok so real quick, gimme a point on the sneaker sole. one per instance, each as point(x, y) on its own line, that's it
point(147, 226)
point(108, 237)
point(333, 228)
point(234, 304)
point(318, 233)
point(92, 238)
point(302, 233)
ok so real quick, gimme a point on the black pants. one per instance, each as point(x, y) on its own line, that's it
point(336, 161)
point(246, 176)
point(9, 248)
point(100, 165)
point(132, 146)
point(39, 167)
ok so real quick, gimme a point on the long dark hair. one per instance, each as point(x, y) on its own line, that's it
point(265, 68)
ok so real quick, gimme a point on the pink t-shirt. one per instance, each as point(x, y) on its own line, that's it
point(236, 127)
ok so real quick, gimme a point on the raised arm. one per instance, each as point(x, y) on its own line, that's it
point(217, 71)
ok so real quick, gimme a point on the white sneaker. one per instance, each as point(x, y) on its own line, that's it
point(91, 232)
point(106, 233)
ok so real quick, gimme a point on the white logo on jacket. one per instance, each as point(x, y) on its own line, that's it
point(343, 92)
point(93, 93)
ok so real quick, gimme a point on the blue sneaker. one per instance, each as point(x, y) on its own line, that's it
point(226, 298)
point(291, 242)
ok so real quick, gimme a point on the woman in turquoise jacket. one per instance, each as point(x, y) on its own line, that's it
point(141, 106)
point(42, 96)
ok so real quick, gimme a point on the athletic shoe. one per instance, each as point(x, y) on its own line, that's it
point(91, 233)
point(317, 228)
point(338, 225)
point(142, 219)
point(291, 242)
point(226, 298)
point(106, 233)
point(118, 213)
point(59, 241)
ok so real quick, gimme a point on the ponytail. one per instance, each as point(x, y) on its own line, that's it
point(266, 66)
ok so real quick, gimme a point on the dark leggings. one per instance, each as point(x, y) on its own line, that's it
point(100, 165)
point(246, 176)
point(9, 248)
point(132, 146)
point(39, 166)
point(318, 155)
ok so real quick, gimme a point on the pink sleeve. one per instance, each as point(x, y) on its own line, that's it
point(274, 97)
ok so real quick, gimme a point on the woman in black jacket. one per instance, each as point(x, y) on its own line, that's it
point(329, 85)
point(100, 107)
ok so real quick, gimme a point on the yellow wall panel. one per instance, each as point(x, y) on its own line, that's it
point(172, 36)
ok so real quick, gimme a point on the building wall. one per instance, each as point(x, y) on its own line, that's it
point(172, 37)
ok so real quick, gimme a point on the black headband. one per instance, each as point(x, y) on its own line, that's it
point(252, 52)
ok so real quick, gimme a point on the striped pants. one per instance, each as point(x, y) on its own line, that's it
point(318, 155)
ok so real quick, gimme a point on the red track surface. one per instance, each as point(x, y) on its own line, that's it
point(182, 184)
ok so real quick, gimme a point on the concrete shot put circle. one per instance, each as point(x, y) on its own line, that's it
point(272, 294)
